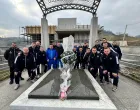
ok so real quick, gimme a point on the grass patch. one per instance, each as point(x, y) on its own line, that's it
point(134, 74)
point(4, 74)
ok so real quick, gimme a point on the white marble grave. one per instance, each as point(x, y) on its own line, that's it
point(24, 103)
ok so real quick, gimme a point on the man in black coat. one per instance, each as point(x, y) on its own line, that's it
point(85, 46)
point(32, 49)
point(59, 50)
point(85, 58)
point(110, 66)
point(10, 55)
point(94, 62)
point(79, 60)
point(24, 61)
point(98, 46)
point(75, 50)
point(117, 49)
point(105, 40)
point(37, 48)
point(41, 59)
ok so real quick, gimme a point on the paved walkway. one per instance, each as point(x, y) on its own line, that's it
point(126, 98)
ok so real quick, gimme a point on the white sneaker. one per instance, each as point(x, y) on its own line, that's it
point(17, 86)
point(33, 81)
point(38, 76)
point(114, 88)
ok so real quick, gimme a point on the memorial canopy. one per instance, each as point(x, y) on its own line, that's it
point(49, 6)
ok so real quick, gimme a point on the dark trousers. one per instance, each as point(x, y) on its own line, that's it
point(18, 76)
point(94, 72)
point(111, 76)
point(77, 64)
point(85, 64)
point(12, 73)
point(38, 69)
point(102, 75)
point(115, 81)
point(45, 68)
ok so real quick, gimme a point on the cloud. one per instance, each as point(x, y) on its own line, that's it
point(113, 15)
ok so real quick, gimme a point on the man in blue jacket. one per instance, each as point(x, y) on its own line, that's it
point(51, 56)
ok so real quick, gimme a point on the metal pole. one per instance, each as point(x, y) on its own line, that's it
point(125, 32)
point(19, 32)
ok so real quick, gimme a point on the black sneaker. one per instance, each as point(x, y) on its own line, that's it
point(11, 82)
point(101, 82)
point(22, 78)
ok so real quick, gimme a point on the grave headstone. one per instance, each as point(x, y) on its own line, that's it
point(68, 43)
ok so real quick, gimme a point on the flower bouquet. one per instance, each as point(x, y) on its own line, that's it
point(68, 58)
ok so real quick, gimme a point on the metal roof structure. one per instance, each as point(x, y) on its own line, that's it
point(50, 6)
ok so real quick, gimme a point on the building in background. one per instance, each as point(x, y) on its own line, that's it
point(65, 28)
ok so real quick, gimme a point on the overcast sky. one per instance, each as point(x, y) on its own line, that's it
point(113, 15)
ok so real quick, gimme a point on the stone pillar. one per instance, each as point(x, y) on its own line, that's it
point(56, 36)
point(93, 31)
point(45, 42)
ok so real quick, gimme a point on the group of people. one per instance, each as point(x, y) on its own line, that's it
point(30, 59)
point(103, 58)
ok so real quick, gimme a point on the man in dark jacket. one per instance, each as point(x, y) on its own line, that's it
point(94, 62)
point(105, 40)
point(10, 55)
point(24, 61)
point(98, 46)
point(110, 66)
point(85, 58)
point(59, 50)
point(79, 60)
point(41, 60)
point(51, 57)
point(117, 49)
point(75, 50)
point(32, 49)
point(85, 46)
point(37, 46)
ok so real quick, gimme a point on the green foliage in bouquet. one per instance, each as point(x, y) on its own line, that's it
point(68, 57)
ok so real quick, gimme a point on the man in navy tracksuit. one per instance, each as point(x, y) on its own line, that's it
point(104, 40)
point(79, 59)
point(41, 59)
point(117, 49)
point(85, 58)
point(94, 62)
point(24, 61)
point(110, 65)
point(51, 56)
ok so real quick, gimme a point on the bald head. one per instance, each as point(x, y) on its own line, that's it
point(25, 51)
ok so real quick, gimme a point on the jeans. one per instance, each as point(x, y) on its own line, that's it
point(52, 62)
point(59, 62)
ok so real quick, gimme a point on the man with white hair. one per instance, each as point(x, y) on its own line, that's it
point(24, 61)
